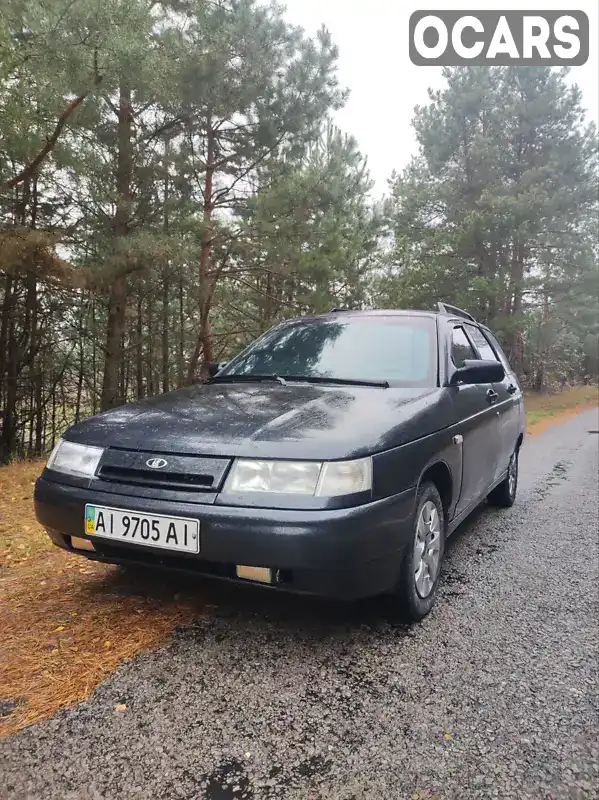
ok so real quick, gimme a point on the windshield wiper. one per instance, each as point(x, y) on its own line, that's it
point(337, 381)
point(285, 379)
point(247, 379)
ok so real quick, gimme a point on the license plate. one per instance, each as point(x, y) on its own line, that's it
point(153, 530)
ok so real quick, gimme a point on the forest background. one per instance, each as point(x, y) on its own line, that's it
point(172, 184)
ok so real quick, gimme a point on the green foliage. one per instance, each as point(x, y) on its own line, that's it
point(193, 192)
point(171, 185)
point(495, 212)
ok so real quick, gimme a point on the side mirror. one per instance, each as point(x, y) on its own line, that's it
point(215, 368)
point(475, 371)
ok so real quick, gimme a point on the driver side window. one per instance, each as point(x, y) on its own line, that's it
point(461, 349)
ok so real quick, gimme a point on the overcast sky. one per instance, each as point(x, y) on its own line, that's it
point(372, 36)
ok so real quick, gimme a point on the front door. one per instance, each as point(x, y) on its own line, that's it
point(478, 425)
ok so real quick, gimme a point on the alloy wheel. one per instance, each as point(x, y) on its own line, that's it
point(512, 474)
point(427, 551)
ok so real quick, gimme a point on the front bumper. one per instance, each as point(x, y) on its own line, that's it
point(343, 553)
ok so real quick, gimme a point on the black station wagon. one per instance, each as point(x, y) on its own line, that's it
point(333, 456)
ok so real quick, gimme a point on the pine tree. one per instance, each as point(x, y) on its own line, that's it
point(492, 213)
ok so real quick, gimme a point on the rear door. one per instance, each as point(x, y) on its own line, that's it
point(478, 425)
point(510, 403)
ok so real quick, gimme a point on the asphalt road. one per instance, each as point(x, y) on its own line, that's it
point(493, 696)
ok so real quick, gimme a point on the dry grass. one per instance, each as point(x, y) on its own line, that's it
point(67, 623)
point(544, 410)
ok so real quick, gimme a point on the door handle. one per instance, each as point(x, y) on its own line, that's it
point(512, 389)
point(492, 396)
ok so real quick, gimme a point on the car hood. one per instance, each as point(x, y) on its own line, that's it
point(270, 421)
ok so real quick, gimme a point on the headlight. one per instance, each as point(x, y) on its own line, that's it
point(327, 479)
point(345, 477)
point(75, 459)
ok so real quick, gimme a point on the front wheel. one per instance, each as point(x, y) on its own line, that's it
point(421, 568)
point(504, 495)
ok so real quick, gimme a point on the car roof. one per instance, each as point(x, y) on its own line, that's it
point(367, 312)
point(384, 312)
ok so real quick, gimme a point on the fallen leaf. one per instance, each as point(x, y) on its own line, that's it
point(107, 644)
point(120, 707)
point(60, 628)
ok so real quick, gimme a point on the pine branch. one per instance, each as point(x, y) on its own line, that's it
point(33, 166)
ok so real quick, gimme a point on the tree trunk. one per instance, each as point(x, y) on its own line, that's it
point(81, 369)
point(181, 365)
point(539, 382)
point(204, 344)
point(4, 325)
point(9, 414)
point(53, 419)
point(115, 328)
point(8, 436)
point(124, 370)
point(165, 277)
point(30, 416)
point(39, 406)
point(149, 360)
point(32, 357)
point(95, 381)
point(139, 355)
point(516, 282)
point(34, 347)
point(165, 332)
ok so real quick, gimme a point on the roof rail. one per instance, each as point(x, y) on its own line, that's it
point(445, 308)
point(335, 310)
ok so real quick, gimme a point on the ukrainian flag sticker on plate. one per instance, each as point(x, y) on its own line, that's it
point(90, 519)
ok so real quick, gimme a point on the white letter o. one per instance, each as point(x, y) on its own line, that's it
point(421, 26)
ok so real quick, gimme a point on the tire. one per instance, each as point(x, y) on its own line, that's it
point(417, 588)
point(504, 495)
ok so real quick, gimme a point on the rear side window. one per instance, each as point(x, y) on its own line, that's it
point(482, 345)
point(502, 356)
point(461, 349)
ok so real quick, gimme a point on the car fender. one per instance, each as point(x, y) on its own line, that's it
point(445, 471)
point(403, 468)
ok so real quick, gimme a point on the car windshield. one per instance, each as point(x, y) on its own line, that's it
point(399, 350)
